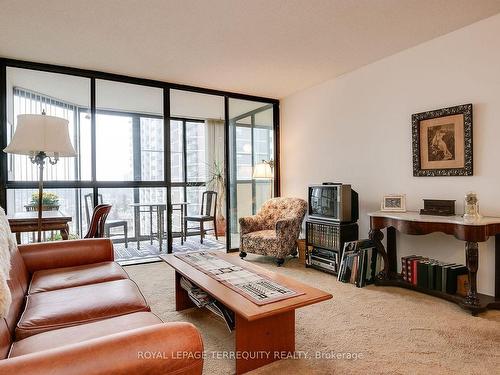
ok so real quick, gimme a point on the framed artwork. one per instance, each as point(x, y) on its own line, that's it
point(394, 203)
point(442, 142)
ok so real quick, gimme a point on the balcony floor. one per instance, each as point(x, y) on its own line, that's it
point(148, 252)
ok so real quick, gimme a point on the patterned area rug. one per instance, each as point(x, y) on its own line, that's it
point(148, 252)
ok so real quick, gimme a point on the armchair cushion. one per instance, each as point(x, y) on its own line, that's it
point(261, 242)
point(68, 277)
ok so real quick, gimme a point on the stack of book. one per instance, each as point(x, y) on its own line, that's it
point(202, 299)
point(322, 235)
point(359, 263)
point(434, 275)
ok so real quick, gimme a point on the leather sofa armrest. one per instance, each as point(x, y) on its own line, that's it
point(250, 224)
point(168, 348)
point(71, 253)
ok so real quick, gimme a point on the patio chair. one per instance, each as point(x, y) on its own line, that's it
point(98, 222)
point(109, 223)
point(208, 204)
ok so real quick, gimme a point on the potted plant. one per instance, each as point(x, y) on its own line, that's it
point(217, 182)
point(50, 202)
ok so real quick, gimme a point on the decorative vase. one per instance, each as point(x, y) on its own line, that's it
point(471, 207)
point(221, 225)
point(301, 246)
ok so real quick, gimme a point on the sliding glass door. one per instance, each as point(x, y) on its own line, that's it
point(251, 144)
point(197, 136)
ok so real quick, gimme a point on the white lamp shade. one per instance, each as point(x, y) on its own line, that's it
point(262, 171)
point(41, 133)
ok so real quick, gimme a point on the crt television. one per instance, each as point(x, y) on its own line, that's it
point(334, 202)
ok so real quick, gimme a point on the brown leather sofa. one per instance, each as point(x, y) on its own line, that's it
point(75, 311)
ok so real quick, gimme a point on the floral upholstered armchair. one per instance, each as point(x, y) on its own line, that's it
point(274, 230)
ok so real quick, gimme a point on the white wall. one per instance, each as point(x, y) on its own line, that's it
point(357, 129)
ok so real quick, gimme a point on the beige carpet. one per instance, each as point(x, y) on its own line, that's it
point(392, 330)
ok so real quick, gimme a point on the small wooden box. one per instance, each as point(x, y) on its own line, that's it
point(439, 207)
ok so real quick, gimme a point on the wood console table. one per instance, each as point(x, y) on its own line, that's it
point(415, 224)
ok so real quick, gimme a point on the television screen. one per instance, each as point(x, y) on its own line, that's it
point(323, 200)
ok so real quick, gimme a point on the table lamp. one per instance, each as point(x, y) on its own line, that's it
point(41, 137)
point(264, 171)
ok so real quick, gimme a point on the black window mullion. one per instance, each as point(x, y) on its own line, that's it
point(252, 163)
point(184, 158)
point(93, 146)
point(167, 163)
point(276, 149)
point(230, 166)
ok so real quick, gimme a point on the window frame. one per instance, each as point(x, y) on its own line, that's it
point(93, 75)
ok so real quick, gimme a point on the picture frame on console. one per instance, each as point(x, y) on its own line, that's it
point(442, 142)
point(394, 203)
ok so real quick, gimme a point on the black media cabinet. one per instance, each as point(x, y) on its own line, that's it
point(325, 243)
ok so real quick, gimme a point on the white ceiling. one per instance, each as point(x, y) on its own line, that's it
point(263, 47)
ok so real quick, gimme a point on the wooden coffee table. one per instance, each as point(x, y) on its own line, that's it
point(263, 333)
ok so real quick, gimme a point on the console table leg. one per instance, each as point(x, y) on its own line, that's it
point(391, 251)
point(472, 258)
point(377, 236)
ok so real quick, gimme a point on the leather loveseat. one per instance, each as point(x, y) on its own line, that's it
point(75, 311)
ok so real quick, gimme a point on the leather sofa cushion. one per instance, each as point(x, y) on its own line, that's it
point(68, 277)
point(61, 308)
point(5, 339)
point(72, 335)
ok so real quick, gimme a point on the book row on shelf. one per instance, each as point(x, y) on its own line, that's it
point(433, 274)
point(323, 235)
point(360, 263)
point(202, 299)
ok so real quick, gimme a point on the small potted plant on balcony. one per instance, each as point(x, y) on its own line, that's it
point(217, 182)
point(50, 202)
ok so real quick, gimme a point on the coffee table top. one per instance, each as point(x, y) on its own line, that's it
point(238, 303)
